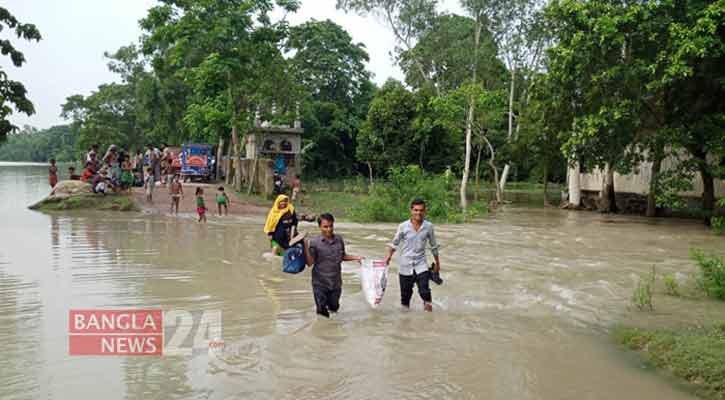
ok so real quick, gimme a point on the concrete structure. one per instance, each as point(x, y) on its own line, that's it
point(268, 145)
point(583, 185)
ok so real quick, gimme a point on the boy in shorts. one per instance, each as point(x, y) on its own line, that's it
point(222, 200)
point(177, 193)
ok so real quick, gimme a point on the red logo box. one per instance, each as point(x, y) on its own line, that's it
point(115, 332)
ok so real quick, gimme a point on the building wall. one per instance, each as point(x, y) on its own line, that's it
point(255, 142)
point(638, 181)
point(263, 176)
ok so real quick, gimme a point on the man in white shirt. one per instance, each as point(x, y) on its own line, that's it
point(411, 239)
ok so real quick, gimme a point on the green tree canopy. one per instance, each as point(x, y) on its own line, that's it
point(444, 53)
point(13, 93)
point(29, 144)
point(337, 90)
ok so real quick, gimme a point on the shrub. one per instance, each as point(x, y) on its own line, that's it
point(671, 286)
point(390, 201)
point(718, 223)
point(712, 270)
point(357, 185)
point(642, 296)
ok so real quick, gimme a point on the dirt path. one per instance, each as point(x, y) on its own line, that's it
point(162, 201)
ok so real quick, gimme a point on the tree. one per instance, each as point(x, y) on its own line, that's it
point(642, 81)
point(336, 92)
point(107, 116)
point(229, 55)
point(407, 19)
point(455, 51)
point(384, 139)
point(515, 26)
point(595, 66)
point(444, 51)
point(487, 124)
point(544, 123)
point(692, 60)
point(13, 93)
point(31, 144)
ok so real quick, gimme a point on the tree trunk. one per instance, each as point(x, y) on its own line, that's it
point(478, 171)
point(575, 192)
point(219, 153)
point(708, 193)
point(546, 182)
point(253, 176)
point(370, 171)
point(469, 117)
point(652, 195)
point(512, 88)
point(467, 162)
point(237, 159)
point(607, 198)
point(492, 164)
point(420, 154)
point(228, 164)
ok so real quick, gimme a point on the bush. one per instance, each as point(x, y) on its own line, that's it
point(712, 269)
point(718, 223)
point(356, 185)
point(671, 285)
point(642, 296)
point(390, 202)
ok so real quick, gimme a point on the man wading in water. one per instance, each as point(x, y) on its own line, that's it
point(325, 254)
point(411, 239)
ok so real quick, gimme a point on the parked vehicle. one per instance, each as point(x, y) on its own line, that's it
point(197, 162)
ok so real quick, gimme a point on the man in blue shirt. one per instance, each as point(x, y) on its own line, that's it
point(411, 239)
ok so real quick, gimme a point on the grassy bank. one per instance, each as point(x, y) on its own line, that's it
point(696, 355)
point(88, 201)
point(353, 199)
point(314, 202)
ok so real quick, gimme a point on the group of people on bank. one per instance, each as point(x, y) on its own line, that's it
point(119, 170)
point(326, 252)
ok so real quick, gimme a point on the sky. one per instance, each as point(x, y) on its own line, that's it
point(69, 59)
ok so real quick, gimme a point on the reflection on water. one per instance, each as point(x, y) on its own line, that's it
point(528, 297)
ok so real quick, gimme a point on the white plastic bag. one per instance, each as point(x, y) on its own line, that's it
point(374, 279)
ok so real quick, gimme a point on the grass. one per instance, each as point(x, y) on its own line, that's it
point(696, 355)
point(313, 202)
point(338, 197)
point(712, 273)
point(90, 202)
point(642, 296)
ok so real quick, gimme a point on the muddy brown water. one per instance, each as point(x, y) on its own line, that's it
point(525, 311)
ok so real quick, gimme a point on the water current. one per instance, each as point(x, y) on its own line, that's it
point(529, 298)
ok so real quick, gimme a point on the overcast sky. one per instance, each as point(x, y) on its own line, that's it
point(69, 60)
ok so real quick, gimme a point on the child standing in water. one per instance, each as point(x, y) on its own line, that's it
point(177, 192)
point(52, 173)
point(222, 200)
point(149, 184)
point(200, 205)
point(126, 175)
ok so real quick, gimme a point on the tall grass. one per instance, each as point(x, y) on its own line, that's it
point(712, 273)
point(390, 201)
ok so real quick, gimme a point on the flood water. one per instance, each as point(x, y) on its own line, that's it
point(525, 311)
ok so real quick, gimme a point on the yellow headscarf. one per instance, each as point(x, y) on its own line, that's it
point(275, 214)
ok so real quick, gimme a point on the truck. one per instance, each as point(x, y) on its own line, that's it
point(197, 162)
